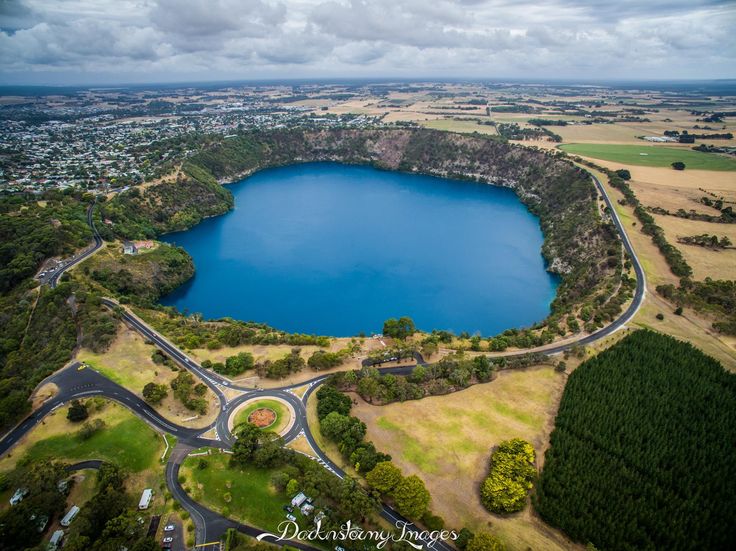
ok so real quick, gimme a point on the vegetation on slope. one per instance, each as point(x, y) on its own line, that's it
point(642, 452)
point(33, 229)
point(142, 278)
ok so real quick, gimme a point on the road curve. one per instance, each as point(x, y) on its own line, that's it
point(53, 279)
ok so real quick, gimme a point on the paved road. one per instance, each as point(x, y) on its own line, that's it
point(76, 383)
point(52, 278)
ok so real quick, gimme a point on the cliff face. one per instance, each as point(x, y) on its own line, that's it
point(578, 246)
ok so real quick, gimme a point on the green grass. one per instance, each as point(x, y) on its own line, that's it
point(129, 443)
point(252, 497)
point(655, 155)
point(282, 414)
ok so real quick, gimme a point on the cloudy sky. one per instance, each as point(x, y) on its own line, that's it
point(114, 41)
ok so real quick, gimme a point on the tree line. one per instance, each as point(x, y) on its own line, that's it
point(641, 456)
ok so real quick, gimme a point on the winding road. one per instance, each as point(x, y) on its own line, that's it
point(79, 381)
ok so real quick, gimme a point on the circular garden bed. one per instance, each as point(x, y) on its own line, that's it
point(268, 414)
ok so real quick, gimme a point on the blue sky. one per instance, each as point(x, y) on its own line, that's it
point(110, 41)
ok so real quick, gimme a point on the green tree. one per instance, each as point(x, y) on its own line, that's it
point(483, 541)
point(412, 497)
point(399, 328)
point(292, 487)
point(384, 477)
point(153, 393)
point(77, 411)
point(678, 165)
point(246, 444)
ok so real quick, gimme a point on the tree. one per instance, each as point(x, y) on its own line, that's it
point(355, 501)
point(331, 399)
point(77, 411)
point(154, 393)
point(624, 174)
point(235, 365)
point(412, 497)
point(399, 328)
point(483, 541)
point(678, 165)
point(384, 477)
point(368, 388)
point(510, 477)
point(246, 444)
point(292, 487)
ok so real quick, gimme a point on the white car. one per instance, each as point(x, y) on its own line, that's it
point(169, 528)
point(292, 518)
point(167, 540)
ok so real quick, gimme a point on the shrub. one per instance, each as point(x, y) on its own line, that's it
point(510, 477)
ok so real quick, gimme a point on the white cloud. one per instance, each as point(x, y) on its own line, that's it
point(96, 40)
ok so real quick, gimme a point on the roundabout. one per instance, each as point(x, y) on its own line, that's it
point(272, 414)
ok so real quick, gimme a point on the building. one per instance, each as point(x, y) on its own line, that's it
point(70, 516)
point(55, 540)
point(129, 248)
point(298, 500)
point(146, 498)
point(18, 496)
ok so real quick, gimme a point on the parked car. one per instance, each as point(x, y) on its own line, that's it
point(167, 539)
point(288, 508)
point(169, 528)
point(292, 518)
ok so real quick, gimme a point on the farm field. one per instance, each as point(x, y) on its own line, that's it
point(447, 441)
point(649, 155)
point(463, 126)
point(706, 262)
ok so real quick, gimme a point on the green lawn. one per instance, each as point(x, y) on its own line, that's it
point(129, 443)
point(655, 155)
point(252, 497)
point(282, 414)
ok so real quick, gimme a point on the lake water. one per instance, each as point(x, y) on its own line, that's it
point(335, 250)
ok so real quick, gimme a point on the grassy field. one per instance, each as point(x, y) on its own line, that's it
point(57, 438)
point(128, 362)
point(655, 156)
point(252, 498)
point(447, 441)
point(281, 411)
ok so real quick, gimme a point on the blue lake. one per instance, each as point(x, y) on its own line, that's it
point(335, 250)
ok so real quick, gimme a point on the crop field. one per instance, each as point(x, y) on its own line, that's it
point(648, 155)
point(462, 126)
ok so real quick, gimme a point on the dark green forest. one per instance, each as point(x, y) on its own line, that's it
point(642, 455)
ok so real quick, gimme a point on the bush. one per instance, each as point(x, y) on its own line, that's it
point(510, 477)
point(77, 411)
point(678, 165)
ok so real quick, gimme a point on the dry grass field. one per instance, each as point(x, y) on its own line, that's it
point(447, 440)
point(715, 263)
point(274, 352)
point(128, 362)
